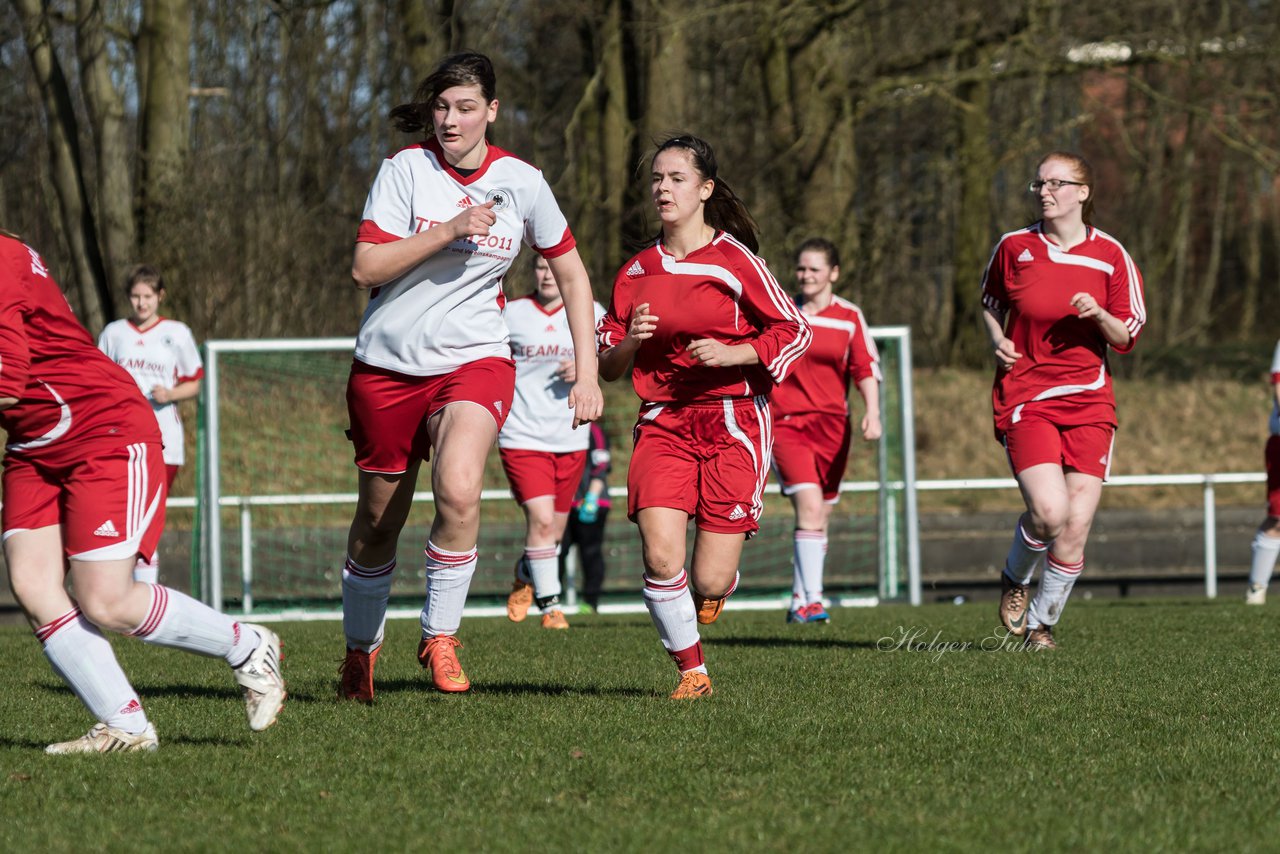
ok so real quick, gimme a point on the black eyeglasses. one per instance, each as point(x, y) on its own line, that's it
point(1054, 185)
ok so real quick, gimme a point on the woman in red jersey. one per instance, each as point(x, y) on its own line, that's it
point(1056, 296)
point(84, 493)
point(811, 429)
point(707, 333)
point(432, 374)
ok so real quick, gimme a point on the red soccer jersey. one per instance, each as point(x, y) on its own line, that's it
point(721, 291)
point(69, 394)
point(1064, 358)
point(842, 353)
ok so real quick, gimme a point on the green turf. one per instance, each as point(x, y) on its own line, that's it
point(1153, 728)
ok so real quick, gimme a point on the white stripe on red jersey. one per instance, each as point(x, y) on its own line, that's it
point(720, 291)
point(843, 353)
point(447, 311)
point(1032, 280)
point(70, 396)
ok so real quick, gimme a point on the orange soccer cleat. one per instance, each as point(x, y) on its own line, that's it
point(708, 609)
point(694, 684)
point(554, 619)
point(437, 655)
point(356, 675)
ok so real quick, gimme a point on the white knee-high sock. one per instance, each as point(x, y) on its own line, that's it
point(83, 658)
point(1051, 597)
point(810, 556)
point(671, 608)
point(544, 568)
point(1265, 551)
point(448, 580)
point(147, 571)
point(365, 592)
point(1025, 555)
point(176, 620)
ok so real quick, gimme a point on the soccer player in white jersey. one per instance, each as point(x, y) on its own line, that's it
point(433, 373)
point(161, 356)
point(542, 454)
point(1266, 543)
point(84, 496)
point(707, 333)
point(811, 429)
point(1056, 297)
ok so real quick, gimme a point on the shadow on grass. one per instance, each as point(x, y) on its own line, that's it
point(804, 642)
point(510, 689)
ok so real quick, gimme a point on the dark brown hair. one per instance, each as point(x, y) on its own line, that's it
point(724, 211)
point(460, 69)
point(1083, 172)
point(820, 244)
point(143, 274)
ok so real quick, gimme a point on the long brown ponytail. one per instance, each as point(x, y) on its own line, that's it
point(724, 211)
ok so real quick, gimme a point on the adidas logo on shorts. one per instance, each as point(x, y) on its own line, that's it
point(635, 270)
point(1025, 256)
point(737, 513)
point(106, 529)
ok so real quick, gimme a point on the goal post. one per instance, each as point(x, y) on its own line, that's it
point(276, 488)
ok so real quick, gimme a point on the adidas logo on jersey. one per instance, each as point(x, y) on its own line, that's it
point(465, 202)
point(106, 529)
point(635, 270)
point(737, 513)
point(1025, 256)
point(551, 327)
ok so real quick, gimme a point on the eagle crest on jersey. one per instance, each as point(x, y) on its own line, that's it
point(457, 319)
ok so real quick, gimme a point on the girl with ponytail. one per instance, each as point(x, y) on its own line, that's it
point(707, 333)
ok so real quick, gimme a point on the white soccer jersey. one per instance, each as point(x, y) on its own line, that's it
point(163, 355)
point(447, 311)
point(540, 417)
point(1275, 380)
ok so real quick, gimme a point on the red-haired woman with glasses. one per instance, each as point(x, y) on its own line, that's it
point(1056, 296)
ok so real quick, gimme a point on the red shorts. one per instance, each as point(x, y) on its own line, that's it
point(708, 459)
point(534, 474)
point(1085, 448)
point(389, 410)
point(110, 503)
point(811, 449)
point(1273, 476)
point(170, 473)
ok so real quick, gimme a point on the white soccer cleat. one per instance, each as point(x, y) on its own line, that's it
point(262, 681)
point(1255, 595)
point(105, 739)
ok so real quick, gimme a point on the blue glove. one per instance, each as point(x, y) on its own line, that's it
point(589, 509)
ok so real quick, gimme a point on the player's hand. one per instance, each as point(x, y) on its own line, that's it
point(568, 371)
point(642, 324)
point(712, 353)
point(1006, 354)
point(1087, 307)
point(586, 401)
point(160, 394)
point(474, 221)
point(871, 427)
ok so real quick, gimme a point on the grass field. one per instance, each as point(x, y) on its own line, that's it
point(1153, 728)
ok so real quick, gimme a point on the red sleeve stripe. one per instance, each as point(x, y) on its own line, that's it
point(566, 243)
point(370, 233)
point(1275, 378)
point(199, 374)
